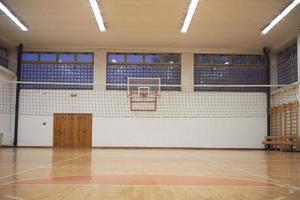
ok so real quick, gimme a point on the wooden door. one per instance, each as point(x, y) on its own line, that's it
point(72, 130)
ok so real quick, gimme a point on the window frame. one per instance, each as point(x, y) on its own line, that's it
point(231, 58)
point(57, 64)
point(144, 58)
point(57, 57)
point(141, 66)
point(231, 80)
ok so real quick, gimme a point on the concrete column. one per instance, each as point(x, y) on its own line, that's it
point(13, 60)
point(187, 70)
point(100, 67)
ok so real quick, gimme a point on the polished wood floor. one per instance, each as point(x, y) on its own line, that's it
point(124, 174)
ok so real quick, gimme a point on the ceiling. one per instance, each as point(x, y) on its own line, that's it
point(231, 25)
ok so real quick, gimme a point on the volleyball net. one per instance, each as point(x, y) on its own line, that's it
point(145, 98)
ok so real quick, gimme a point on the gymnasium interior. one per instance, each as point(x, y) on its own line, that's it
point(149, 99)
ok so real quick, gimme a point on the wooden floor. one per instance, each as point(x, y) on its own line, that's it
point(113, 174)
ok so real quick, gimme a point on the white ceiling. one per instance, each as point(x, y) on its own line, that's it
point(217, 24)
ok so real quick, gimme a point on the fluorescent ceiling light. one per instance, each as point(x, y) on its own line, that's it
point(189, 16)
point(284, 13)
point(13, 17)
point(97, 14)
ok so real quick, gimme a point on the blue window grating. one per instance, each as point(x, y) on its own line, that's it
point(57, 68)
point(119, 74)
point(287, 65)
point(213, 69)
point(57, 73)
point(229, 76)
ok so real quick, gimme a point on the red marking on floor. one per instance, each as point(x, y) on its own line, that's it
point(145, 180)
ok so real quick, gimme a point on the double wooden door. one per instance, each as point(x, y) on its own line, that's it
point(72, 130)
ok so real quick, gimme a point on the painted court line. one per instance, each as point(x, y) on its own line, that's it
point(145, 180)
point(276, 182)
point(42, 166)
point(12, 197)
point(280, 198)
point(126, 186)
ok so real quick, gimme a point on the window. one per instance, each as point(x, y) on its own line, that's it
point(150, 59)
point(116, 58)
point(239, 60)
point(229, 60)
point(171, 59)
point(66, 57)
point(202, 59)
point(44, 67)
point(4, 57)
point(221, 59)
point(143, 66)
point(134, 58)
point(287, 65)
point(30, 57)
point(257, 60)
point(85, 57)
point(48, 57)
point(229, 70)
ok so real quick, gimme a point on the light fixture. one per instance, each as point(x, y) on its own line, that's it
point(189, 16)
point(98, 16)
point(284, 13)
point(227, 63)
point(113, 61)
point(13, 17)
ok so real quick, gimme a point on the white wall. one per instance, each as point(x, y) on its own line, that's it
point(183, 119)
point(179, 132)
point(6, 101)
point(33, 132)
point(211, 120)
point(154, 132)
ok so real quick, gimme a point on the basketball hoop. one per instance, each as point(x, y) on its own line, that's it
point(143, 93)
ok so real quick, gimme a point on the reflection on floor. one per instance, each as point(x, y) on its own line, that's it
point(147, 174)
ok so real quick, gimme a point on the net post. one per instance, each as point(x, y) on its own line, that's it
point(18, 89)
point(267, 52)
